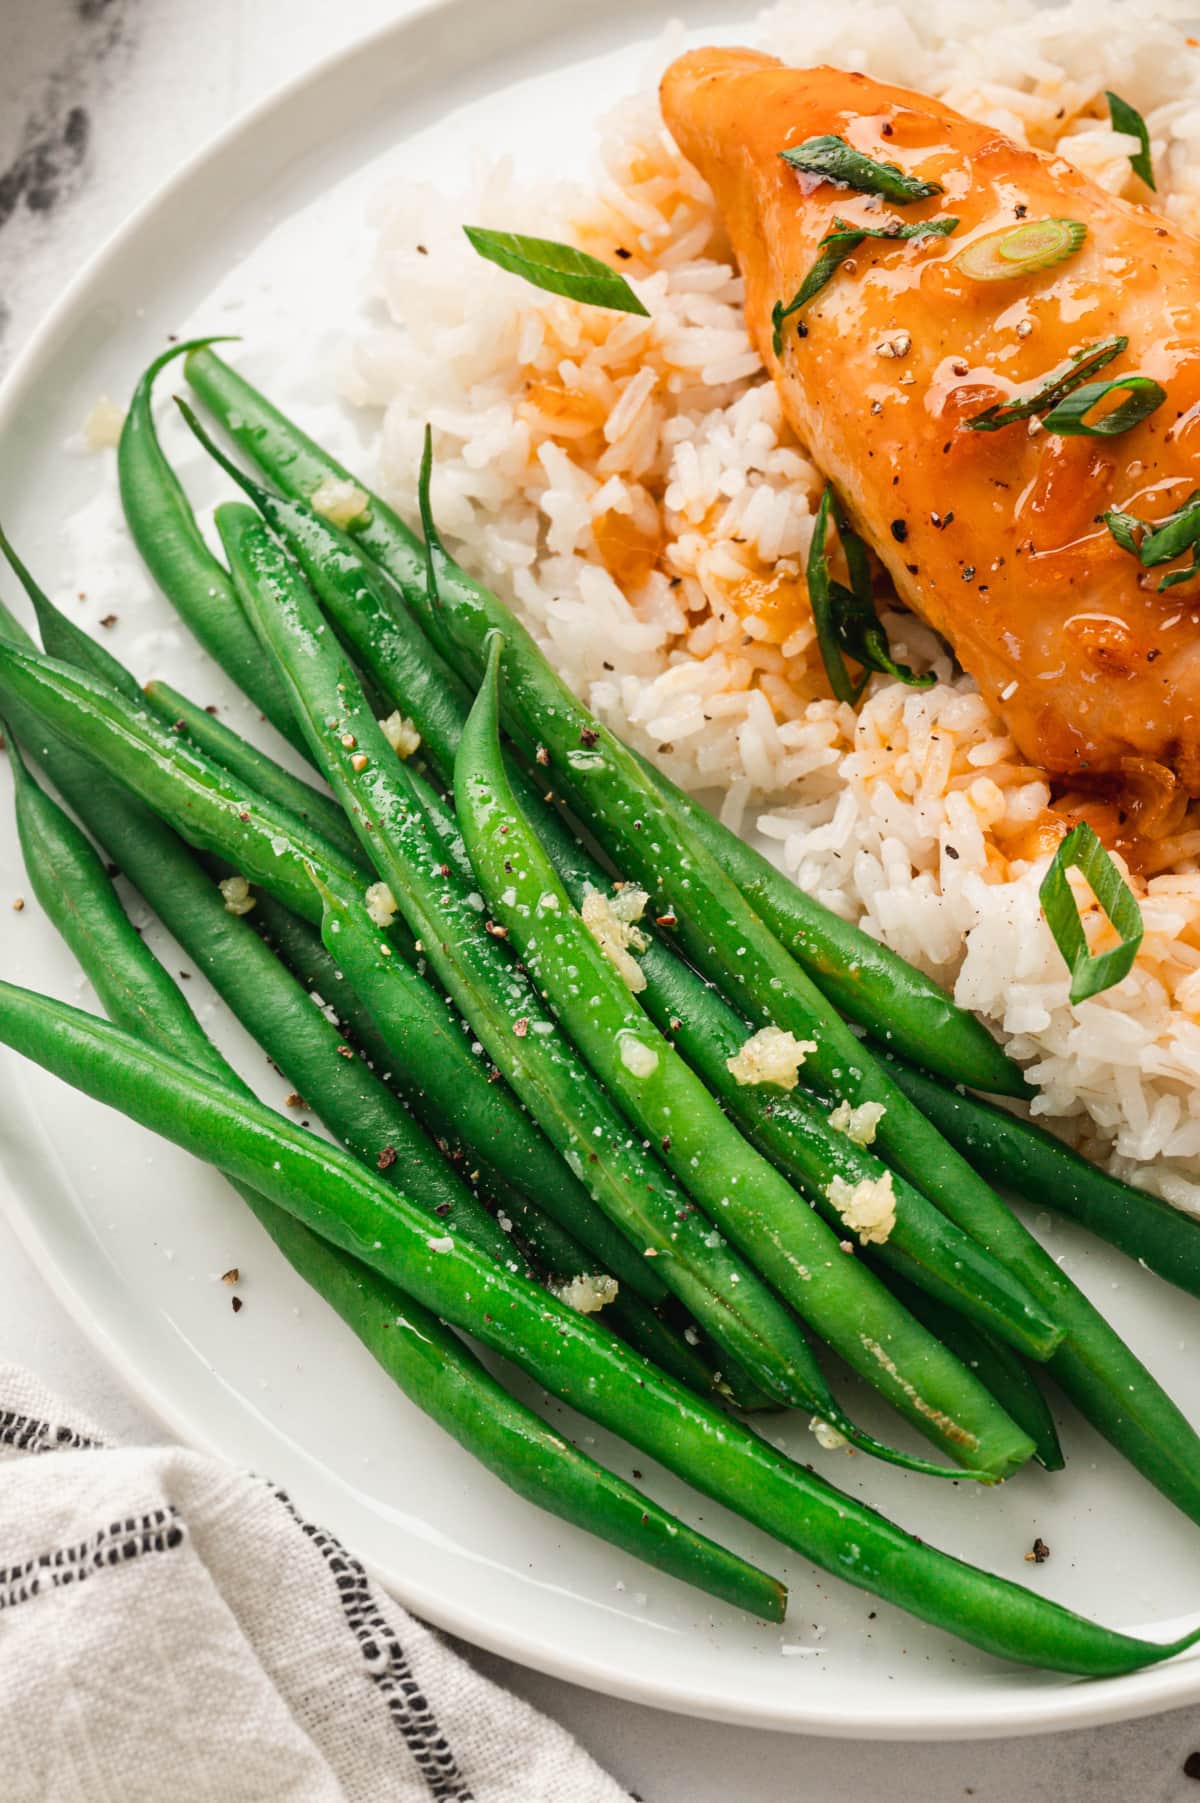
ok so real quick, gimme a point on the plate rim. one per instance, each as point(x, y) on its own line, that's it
point(1155, 1690)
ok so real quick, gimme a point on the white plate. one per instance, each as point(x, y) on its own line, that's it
point(264, 234)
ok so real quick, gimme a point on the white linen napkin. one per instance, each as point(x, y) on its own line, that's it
point(172, 1631)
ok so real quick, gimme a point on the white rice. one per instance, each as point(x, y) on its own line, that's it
point(631, 486)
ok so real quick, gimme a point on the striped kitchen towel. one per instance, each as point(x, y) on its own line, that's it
point(173, 1631)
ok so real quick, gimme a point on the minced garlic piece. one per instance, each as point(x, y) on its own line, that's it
point(825, 1435)
point(868, 1207)
point(338, 500)
point(859, 1124)
point(400, 734)
point(587, 1295)
point(381, 904)
point(236, 892)
point(770, 1056)
point(639, 1059)
point(611, 922)
point(102, 427)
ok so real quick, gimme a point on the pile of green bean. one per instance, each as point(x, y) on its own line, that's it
point(545, 1147)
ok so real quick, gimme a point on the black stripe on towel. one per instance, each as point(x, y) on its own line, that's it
point(27, 1434)
point(159, 1531)
point(387, 1665)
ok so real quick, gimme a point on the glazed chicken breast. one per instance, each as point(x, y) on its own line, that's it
point(997, 538)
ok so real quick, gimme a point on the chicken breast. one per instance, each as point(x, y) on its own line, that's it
point(996, 538)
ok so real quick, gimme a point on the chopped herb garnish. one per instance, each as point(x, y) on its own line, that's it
point(1091, 972)
point(1174, 535)
point(836, 161)
point(1021, 249)
point(1124, 528)
point(1053, 388)
point(1126, 118)
point(1158, 541)
point(895, 228)
point(1175, 577)
point(845, 618)
point(1069, 419)
point(840, 242)
point(558, 268)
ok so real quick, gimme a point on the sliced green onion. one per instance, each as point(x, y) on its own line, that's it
point(1126, 118)
point(1021, 249)
point(908, 230)
point(836, 161)
point(1187, 574)
point(1174, 535)
point(558, 268)
point(1124, 528)
point(1091, 973)
point(1052, 389)
point(1159, 541)
point(1069, 418)
point(835, 248)
point(845, 618)
point(840, 242)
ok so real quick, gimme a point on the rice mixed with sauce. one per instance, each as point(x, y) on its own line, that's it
point(631, 485)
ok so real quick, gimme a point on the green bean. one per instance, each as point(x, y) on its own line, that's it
point(369, 616)
point(208, 805)
point(376, 631)
point(1105, 1380)
point(931, 1248)
point(450, 1077)
point(1021, 1156)
point(730, 944)
point(792, 1130)
point(438, 1054)
point(164, 530)
point(66, 641)
point(302, 949)
point(723, 936)
point(745, 1198)
point(607, 787)
point(250, 765)
point(1001, 1370)
point(1098, 1371)
point(425, 1358)
point(474, 968)
point(330, 559)
point(305, 1046)
point(354, 1104)
point(445, 1380)
point(765, 981)
point(277, 1012)
point(331, 1193)
point(262, 994)
point(361, 956)
point(554, 1247)
point(274, 848)
point(864, 980)
point(859, 975)
point(62, 638)
point(454, 1088)
point(80, 901)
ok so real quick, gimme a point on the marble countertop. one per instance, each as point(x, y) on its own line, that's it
point(99, 99)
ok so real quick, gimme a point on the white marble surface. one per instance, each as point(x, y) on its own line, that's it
point(99, 100)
